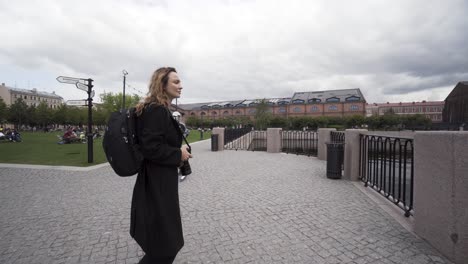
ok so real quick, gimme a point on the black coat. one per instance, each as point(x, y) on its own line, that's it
point(155, 221)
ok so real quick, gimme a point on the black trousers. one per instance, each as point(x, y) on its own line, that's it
point(156, 260)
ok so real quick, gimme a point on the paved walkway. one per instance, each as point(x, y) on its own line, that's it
point(237, 207)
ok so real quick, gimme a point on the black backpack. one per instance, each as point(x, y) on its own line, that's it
point(120, 143)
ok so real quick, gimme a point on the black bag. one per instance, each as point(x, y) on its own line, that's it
point(120, 143)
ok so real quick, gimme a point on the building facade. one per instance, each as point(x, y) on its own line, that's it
point(432, 110)
point(318, 103)
point(31, 97)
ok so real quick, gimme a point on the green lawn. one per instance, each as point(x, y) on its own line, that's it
point(42, 148)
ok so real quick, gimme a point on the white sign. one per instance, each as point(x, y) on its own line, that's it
point(82, 86)
point(77, 102)
point(65, 79)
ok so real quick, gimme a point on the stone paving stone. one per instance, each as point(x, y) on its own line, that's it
point(237, 207)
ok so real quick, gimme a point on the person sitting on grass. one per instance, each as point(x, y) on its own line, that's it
point(96, 134)
point(69, 136)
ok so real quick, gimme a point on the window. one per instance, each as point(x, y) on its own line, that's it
point(225, 113)
point(282, 110)
point(354, 107)
point(241, 105)
point(25, 97)
point(192, 114)
point(333, 108)
point(314, 100)
point(238, 112)
point(353, 98)
point(314, 109)
point(216, 106)
point(252, 104)
point(214, 113)
point(252, 111)
point(297, 110)
point(202, 113)
point(205, 107)
point(298, 101)
point(283, 102)
point(333, 99)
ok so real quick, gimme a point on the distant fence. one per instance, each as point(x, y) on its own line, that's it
point(300, 142)
point(386, 165)
point(245, 139)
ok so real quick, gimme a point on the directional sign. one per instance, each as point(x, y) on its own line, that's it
point(82, 86)
point(77, 102)
point(72, 80)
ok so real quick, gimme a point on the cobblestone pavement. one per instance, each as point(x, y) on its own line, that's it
point(237, 207)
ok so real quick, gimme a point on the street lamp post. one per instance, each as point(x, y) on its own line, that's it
point(124, 78)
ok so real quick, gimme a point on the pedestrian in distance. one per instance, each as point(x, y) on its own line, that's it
point(155, 221)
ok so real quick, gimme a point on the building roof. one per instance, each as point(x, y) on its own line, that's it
point(342, 95)
point(460, 89)
point(423, 103)
point(34, 91)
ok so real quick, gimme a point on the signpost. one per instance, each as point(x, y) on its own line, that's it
point(87, 86)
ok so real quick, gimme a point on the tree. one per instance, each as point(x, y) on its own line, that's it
point(43, 114)
point(278, 122)
point(3, 111)
point(60, 115)
point(355, 121)
point(262, 115)
point(416, 122)
point(31, 116)
point(17, 113)
point(113, 102)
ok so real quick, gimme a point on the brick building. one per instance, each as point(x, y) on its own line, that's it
point(318, 103)
point(432, 110)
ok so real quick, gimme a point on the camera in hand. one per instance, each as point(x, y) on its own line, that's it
point(185, 168)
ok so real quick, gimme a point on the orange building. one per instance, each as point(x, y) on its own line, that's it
point(318, 103)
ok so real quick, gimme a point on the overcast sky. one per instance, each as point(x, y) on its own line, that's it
point(398, 50)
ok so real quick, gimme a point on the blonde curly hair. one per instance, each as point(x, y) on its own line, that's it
point(157, 94)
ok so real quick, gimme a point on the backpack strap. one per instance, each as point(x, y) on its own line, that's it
point(177, 127)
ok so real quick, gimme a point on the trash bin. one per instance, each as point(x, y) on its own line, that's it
point(335, 156)
point(214, 142)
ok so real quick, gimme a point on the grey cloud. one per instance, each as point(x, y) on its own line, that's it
point(246, 49)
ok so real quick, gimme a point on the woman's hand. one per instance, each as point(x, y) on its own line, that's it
point(185, 154)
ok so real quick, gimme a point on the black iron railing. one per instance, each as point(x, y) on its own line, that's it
point(300, 142)
point(338, 137)
point(231, 134)
point(386, 165)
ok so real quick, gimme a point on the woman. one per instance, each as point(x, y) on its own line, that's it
point(155, 221)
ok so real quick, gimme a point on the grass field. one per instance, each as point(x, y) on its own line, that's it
point(42, 148)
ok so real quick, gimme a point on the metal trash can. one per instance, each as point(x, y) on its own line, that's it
point(214, 142)
point(335, 156)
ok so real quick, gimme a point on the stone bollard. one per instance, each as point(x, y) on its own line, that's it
point(220, 132)
point(274, 143)
point(441, 191)
point(352, 152)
